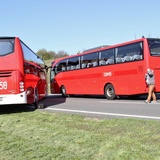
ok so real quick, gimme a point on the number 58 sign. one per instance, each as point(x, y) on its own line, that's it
point(3, 85)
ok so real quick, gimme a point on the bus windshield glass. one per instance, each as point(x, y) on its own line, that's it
point(154, 45)
point(30, 56)
point(6, 46)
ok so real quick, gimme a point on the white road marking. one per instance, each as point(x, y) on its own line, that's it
point(103, 113)
point(129, 102)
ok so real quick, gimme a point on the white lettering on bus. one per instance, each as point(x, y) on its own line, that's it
point(3, 85)
point(106, 74)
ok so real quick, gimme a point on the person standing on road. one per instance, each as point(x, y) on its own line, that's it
point(149, 77)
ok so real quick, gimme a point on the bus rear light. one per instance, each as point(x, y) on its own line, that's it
point(21, 83)
point(21, 86)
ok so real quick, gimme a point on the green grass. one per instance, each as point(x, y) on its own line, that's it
point(41, 135)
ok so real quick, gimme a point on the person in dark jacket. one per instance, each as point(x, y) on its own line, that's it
point(149, 77)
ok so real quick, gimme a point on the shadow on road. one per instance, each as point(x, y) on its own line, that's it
point(9, 109)
point(48, 101)
point(53, 100)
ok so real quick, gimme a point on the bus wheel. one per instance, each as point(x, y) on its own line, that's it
point(109, 92)
point(63, 91)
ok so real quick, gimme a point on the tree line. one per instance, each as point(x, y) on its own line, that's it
point(45, 55)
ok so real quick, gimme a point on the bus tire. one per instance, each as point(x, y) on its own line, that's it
point(63, 91)
point(109, 92)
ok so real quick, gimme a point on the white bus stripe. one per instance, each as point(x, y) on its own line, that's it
point(103, 113)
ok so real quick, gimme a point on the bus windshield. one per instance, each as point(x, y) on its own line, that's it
point(6, 46)
point(30, 56)
point(154, 45)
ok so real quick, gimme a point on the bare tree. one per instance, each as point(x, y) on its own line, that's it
point(61, 53)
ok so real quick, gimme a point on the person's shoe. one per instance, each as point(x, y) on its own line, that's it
point(147, 101)
point(154, 102)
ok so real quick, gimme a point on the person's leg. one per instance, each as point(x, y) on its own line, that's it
point(154, 97)
point(153, 94)
point(149, 93)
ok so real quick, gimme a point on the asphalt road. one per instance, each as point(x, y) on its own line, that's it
point(99, 107)
point(94, 106)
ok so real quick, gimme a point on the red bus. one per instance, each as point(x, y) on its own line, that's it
point(22, 73)
point(110, 70)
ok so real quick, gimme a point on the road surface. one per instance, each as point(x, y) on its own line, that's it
point(100, 107)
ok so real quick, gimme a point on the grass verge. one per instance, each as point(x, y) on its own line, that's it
point(45, 136)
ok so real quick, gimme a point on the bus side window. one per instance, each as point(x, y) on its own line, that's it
point(84, 65)
point(30, 69)
point(102, 62)
point(119, 59)
point(128, 53)
point(27, 68)
point(83, 62)
point(73, 63)
point(89, 60)
point(61, 66)
point(78, 66)
point(42, 74)
point(110, 61)
point(89, 65)
point(73, 67)
point(136, 57)
point(68, 68)
point(127, 58)
point(106, 57)
point(95, 64)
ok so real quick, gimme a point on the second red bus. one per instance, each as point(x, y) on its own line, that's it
point(111, 70)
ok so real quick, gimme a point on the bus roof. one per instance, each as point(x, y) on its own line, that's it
point(6, 37)
point(96, 49)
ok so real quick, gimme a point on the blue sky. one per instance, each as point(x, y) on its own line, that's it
point(76, 25)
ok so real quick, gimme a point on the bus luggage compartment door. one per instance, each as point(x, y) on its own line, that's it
point(8, 82)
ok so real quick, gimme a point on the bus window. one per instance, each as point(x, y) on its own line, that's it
point(128, 53)
point(154, 46)
point(42, 74)
point(61, 66)
point(89, 60)
point(30, 56)
point(6, 46)
point(73, 63)
point(106, 57)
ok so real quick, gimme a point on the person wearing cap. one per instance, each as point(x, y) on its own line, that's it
point(149, 77)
